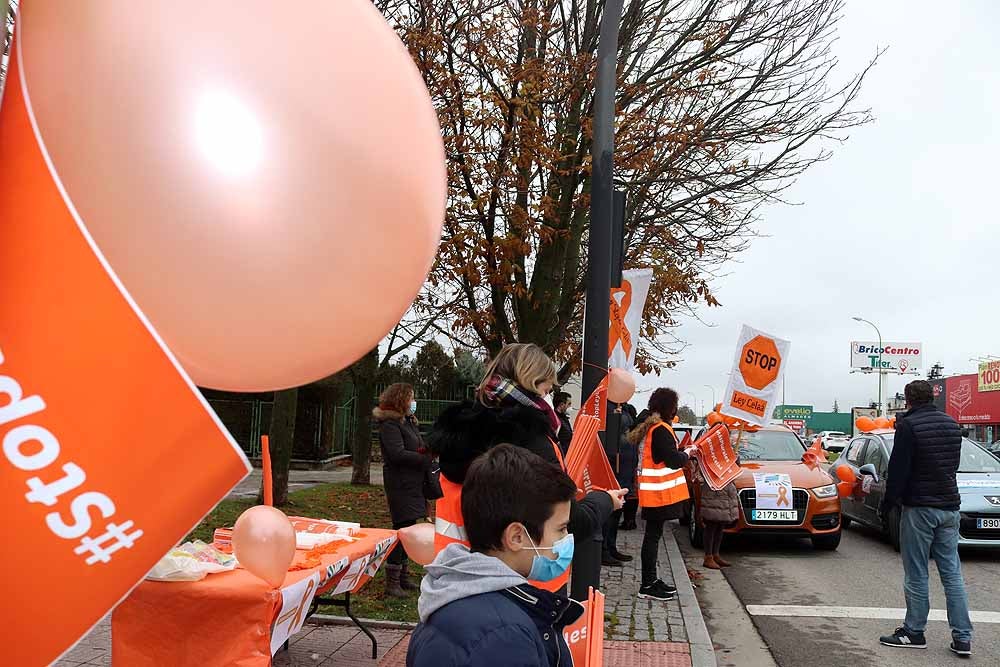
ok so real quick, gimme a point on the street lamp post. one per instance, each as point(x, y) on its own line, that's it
point(694, 404)
point(879, 333)
point(713, 395)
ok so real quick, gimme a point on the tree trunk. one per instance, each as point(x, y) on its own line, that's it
point(281, 440)
point(363, 371)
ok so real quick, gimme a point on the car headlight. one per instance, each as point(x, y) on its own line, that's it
point(828, 491)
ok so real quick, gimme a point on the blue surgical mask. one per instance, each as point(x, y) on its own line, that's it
point(413, 407)
point(547, 569)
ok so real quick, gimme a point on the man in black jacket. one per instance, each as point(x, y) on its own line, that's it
point(922, 481)
point(562, 402)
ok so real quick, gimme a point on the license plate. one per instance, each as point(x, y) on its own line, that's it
point(776, 515)
point(988, 523)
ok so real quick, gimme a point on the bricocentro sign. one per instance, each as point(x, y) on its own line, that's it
point(887, 357)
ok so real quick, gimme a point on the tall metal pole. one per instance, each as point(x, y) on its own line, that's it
point(587, 556)
point(713, 394)
point(880, 372)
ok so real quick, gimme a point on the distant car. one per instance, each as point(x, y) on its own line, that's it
point(680, 430)
point(978, 483)
point(815, 511)
point(834, 441)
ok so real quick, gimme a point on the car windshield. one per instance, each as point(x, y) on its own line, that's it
point(974, 458)
point(770, 446)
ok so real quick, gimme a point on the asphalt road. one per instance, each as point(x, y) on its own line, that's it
point(864, 572)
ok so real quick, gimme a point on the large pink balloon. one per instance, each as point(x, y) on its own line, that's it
point(621, 385)
point(418, 542)
point(264, 543)
point(268, 181)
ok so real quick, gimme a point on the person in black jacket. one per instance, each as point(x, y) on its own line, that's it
point(628, 464)
point(662, 408)
point(623, 463)
point(562, 402)
point(510, 409)
point(405, 462)
point(922, 481)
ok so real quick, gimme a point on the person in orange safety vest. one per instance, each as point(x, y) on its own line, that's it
point(661, 483)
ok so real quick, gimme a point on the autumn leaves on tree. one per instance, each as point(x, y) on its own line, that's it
point(720, 105)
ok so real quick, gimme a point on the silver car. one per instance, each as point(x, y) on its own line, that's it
point(978, 483)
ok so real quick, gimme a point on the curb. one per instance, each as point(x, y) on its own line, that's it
point(370, 623)
point(702, 649)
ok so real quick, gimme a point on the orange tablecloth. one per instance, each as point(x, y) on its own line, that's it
point(224, 619)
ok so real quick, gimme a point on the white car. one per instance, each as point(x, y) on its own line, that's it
point(833, 441)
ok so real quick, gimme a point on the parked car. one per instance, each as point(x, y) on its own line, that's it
point(978, 482)
point(815, 509)
point(834, 441)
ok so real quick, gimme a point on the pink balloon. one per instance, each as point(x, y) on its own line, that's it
point(269, 185)
point(418, 542)
point(264, 543)
point(621, 385)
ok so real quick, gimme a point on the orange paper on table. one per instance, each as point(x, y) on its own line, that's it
point(716, 457)
point(110, 453)
point(586, 462)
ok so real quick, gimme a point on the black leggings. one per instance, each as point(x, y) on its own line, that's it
point(398, 555)
point(713, 537)
point(650, 549)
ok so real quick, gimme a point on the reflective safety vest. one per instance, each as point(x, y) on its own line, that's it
point(449, 527)
point(659, 485)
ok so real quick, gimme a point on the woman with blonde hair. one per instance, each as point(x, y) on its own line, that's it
point(405, 463)
point(510, 407)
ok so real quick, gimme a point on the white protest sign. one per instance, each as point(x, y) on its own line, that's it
point(295, 602)
point(774, 491)
point(758, 368)
point(354, 573)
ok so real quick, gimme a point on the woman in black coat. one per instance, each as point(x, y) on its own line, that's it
point(511, 409)
point(405, 462)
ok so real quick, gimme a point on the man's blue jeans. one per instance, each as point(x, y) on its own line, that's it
point(924, 533)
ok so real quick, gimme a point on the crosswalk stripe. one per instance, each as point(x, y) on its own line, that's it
point(886, 613)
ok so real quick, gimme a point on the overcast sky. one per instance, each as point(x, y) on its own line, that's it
point(900, 226)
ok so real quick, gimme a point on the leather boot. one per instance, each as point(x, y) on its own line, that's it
point(710, 563)
point(392, 588)
point(720, 561)
point(404, 578)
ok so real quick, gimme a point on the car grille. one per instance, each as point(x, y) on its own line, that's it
point(967, 527)
point(800, 502)
point(825, 521)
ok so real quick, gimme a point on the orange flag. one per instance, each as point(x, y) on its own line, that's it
point(596, 405)
point(265, 460)
point(586, 462)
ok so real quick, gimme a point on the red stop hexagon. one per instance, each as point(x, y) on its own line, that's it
point(760, 362)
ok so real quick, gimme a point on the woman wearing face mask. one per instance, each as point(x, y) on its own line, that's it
point(405, 462)
point(510, 408)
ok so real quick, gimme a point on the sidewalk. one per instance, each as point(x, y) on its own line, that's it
point(303, 479)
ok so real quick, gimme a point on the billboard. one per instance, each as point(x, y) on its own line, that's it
point(989, 376)
point(799, 412)
point(967, 405)
point(887, 357)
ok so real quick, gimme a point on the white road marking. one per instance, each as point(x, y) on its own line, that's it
point(887, 613)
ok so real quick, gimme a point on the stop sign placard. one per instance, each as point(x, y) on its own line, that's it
point(760, 362)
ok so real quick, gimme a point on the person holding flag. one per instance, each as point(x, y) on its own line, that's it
point(662, 485)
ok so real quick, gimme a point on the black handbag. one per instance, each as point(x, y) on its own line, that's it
point(432, 482)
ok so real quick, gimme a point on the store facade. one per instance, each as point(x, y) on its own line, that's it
point(973, 402)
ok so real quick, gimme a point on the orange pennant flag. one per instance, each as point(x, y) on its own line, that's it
point(265, 461)
point(596, 405)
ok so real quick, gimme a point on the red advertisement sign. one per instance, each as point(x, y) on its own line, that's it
point(717, 458)
point(967, 405)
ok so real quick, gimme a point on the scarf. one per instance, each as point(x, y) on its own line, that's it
point(500, 390)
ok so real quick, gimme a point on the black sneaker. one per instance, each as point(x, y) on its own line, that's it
point(607, 560)
point(657, 591)
point(963, 649)
point(667, 587)
point(901, 638)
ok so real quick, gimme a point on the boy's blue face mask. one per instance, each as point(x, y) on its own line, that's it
point(547, 569)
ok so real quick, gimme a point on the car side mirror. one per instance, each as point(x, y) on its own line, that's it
point(869, 469)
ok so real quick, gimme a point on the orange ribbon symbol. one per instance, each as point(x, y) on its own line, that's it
point(620, 332)
point(783, 496)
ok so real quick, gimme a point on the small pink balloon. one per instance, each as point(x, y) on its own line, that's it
point(268, 185)
point(418, 542)
point(264, 543)
point(621, 385)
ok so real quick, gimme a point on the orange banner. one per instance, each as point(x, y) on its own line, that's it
point(596, 405)
point(586, 462)
point(110, 454)
point(716, 457)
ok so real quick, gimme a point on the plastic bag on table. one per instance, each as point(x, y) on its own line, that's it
point(191, 561)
